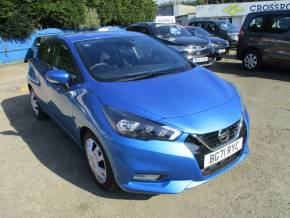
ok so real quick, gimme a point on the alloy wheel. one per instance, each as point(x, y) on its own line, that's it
point(251, 61)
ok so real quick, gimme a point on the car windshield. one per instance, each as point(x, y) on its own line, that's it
point(226, 25)
point(201, 32)
point(121, 58)
point(170, 31)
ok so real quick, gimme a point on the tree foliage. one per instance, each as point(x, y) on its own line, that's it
point(91, 18)
point(18, 18)
point(14, 19)
point(59, 13)
point(124, 12)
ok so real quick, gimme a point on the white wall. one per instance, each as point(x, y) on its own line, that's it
point(179, 10)
point(238, 21)
point(222, 10)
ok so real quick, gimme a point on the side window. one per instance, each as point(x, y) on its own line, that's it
point(140, 29)
point(211, 27)
point(133, 28)
point(144, 30)
point(45, 53)
point(64, 60)
point(199, 25)
point(278, 24)
point(256, 24)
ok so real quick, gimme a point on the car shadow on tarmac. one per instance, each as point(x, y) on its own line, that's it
point(267, 72)
point(55, 149)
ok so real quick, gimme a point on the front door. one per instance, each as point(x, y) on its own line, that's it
point(62, 97)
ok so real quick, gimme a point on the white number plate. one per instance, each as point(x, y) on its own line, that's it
point(223, 153)
point(221, 51)
point(198, 60)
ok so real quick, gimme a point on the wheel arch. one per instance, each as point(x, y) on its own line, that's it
point(251, 48)
point(83, 131)
point(29, 86)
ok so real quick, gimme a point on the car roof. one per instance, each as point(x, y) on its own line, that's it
point(151, 24)
point(193, 27)
point(205, 20)
point(82, 36)
point(278, 12)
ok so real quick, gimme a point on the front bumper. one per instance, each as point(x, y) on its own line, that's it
point(233, 43)
point(175, 161)
point(219, 55)
point(208, 55)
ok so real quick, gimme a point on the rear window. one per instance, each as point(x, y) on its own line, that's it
point(279, 24)
point(256, 24)
point(170, 31)
point(226, 25)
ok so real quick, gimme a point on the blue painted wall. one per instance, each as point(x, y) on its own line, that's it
point(15, 50)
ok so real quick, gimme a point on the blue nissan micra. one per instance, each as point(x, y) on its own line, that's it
point(147, 119)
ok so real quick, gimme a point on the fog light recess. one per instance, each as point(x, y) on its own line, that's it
point(146, 177)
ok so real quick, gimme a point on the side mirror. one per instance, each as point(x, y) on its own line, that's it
point(57, 76)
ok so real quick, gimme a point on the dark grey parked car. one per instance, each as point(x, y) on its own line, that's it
point(221, 46)
point(197, 50)
point(220, 28)
point(265, 39)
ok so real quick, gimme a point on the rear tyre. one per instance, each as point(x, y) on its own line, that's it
point(252, 60)
point(36, 109)
point(98, 162)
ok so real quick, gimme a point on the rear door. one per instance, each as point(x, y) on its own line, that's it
point(37, 71)
point(278, 38)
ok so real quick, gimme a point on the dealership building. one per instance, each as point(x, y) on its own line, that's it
point(237, 12)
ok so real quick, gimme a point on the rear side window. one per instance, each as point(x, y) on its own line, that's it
point(140, 29)
point(211, 27)
point(198, 24)
point(45, 53)
point(144, 30)
point(278, 24)
point(133, 28)
point(256, 24)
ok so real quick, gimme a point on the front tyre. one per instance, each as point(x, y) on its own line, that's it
point(36, 109)
point(98, 162)
point(252, 60)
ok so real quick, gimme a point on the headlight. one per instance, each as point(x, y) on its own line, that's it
point(132, 126)
point(233, 36)
point(178, 48)
point(186, 48)
point(210, 44)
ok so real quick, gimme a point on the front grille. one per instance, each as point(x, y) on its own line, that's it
point(212, 139)
point(199, 151)
point(219, 44)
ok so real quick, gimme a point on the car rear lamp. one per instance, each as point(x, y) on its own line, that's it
point(241, 33)
point(146, 177)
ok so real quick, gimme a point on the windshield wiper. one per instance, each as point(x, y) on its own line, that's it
point(151, 74)
point(142, 76)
